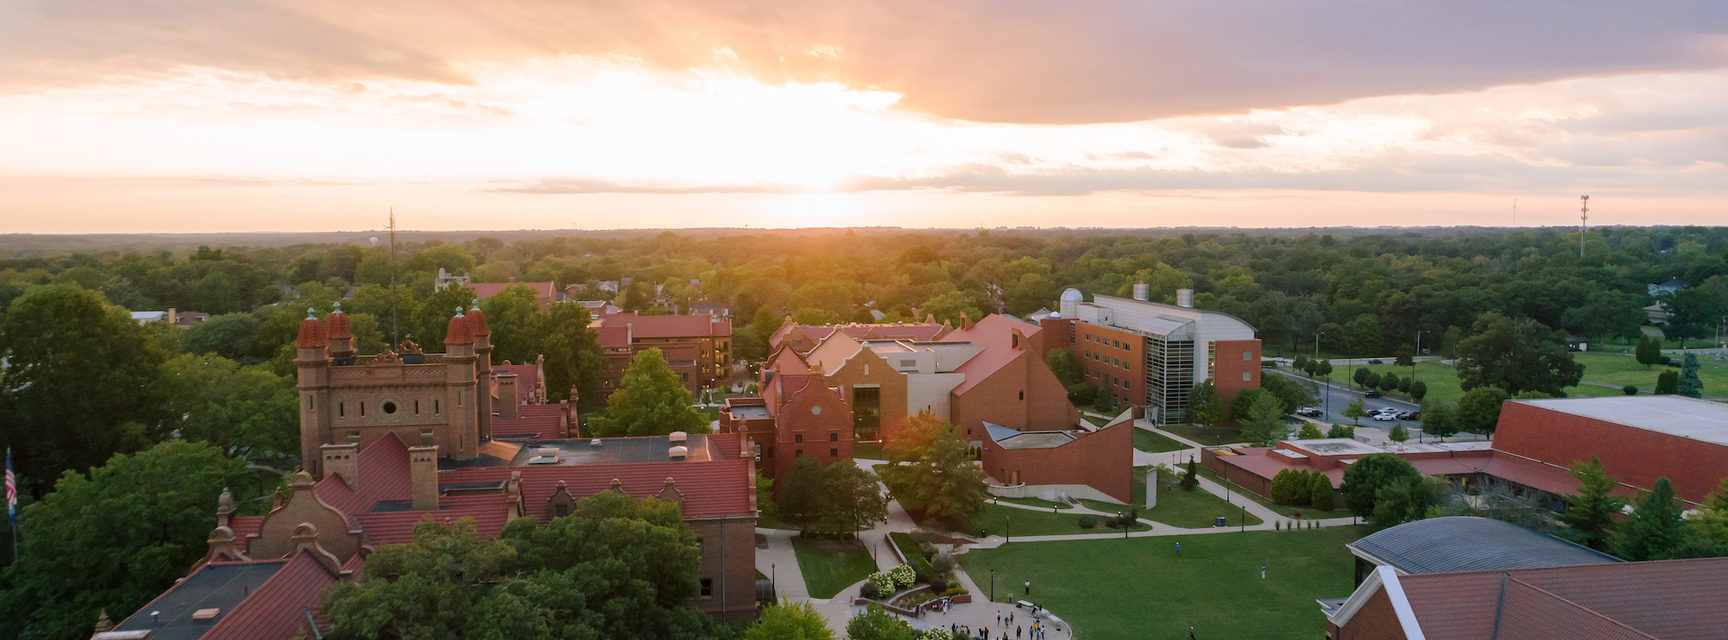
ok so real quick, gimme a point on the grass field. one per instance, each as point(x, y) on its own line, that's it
point(830, 565)
point(1020, 522)
point(1151, 442)
point(868, 451)
point(1215, 586)
point(1620, 370)
point(1192, 509)
point(1236, 493)
point(1205, 435)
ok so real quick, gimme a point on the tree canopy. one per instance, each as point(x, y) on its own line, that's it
point(937, 476)
point(1368, 475)
point(1516, 355)
point(650, 400)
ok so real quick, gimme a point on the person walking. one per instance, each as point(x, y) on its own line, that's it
point(1018, 632)
point(1178, 549)
point(1028, 588)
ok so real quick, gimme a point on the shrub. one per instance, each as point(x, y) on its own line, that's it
point(870, 591)
point(938, 585)
point(1320, 493)
point(935, 634)
point(1667, 360)
point(1282, 491)
point(943, 564)
point(1341, 431)
point(903, 576)
point(1088, 522)
point(883, 582)
point(1309, 432)
point(1630, 389)
point(1299, 486)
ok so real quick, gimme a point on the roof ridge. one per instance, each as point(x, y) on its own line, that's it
point(1574, 605)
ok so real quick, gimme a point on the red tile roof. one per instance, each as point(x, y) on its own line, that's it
point(477, 322)
point(458, 331)
point(532, 420)
point(718, 488)
point(542, 290)
point(311, 334)
point(614, 337)
point(338, 325)
point(277, 609)
point(528, 374)
point(383, 470)
point(996, 334)
point(668, 326)
point(1674, 599)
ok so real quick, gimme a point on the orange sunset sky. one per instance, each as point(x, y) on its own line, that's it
point(260, 115)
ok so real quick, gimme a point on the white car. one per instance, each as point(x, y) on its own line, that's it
point(1385, 417)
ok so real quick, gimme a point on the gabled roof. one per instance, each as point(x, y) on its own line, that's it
point(668, 326)
point(996, 334)
point(532, 420)
point(383, 470)
point(279, 607)
point(1672, 600)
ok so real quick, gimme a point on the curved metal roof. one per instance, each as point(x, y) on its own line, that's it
point(1461, 543)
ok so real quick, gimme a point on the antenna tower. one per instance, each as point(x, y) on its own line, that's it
point(395, 326)
point(1583, 224)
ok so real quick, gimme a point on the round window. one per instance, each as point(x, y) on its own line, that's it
point(816, 410)
point(389, 407)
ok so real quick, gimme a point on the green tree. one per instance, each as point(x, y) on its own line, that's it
point(1418, 390)
point(1360, 376)
point(1063, 364)
point(1283, 487)
point(1515, 355)
point(1204, 407)
point(802, 492)
point(1405, 499)
point(1391, 382)
point(1372, 380)
point(1293, 394)
point(789, 621)
point(852, 499)
point(1320, 493)
point(1667, 383)
point(572, 350)
point(1263, 423)
point(1398, 434)
point(1404, 356)
point(80, 383)
point(1692, 312)
point(937, 477)
point(1656, 530)
point(636, 297)
point(876, 624)
point(432, 319)
point(1364, 479)
point(245, 412)
point(1341, 431)
point(1712, 520)
point(1589, 516)
point(1479, 410)
point(1649, 351)
point(1191, 479)
point(1309, 432)
point(1689, 385)
point(233, 336)
point(510, 314)
point(1357, 409)
point(650, 401)
point(116, 539)
point(1439, 419)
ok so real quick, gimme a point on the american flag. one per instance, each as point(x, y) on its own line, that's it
point(11, 492)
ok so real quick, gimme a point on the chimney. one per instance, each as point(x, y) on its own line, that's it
point(507, 401)
point(423, 477)
point(1185, 298)
point(1142, 292)
point(173, 316)
point(343, 460)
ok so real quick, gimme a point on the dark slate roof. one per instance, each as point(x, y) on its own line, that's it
point(212, 586)
point(1441, 545)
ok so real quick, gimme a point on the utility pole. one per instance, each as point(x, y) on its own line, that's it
point(1583, 224)
point(395, 324)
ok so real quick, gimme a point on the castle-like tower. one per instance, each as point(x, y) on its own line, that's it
point(425, 399)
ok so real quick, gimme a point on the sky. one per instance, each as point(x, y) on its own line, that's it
point(291, 115)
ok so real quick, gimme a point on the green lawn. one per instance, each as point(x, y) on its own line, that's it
point(1208, 436)
point(1021, 522)
point(1036, 502)
point(713, 413)
point(1215, 586)
point(830, 565)
point(1189, 509)
point(1152, 442)
point(868, 451)
point(1620, 370)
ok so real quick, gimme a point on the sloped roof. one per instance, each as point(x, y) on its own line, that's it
point(668, 326)
point(278, 608)
point(995, 334)
point(1459, 543)
point(532, 420)
point(383, 469)
point(1690, 418)
point(1672, 599)
point(221, 586)
point(542, 290)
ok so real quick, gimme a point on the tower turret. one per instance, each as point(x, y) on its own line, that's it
point(312, 362)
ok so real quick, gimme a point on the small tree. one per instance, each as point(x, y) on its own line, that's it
point(1190, 480)
point(1404, 356)
point(1418, 390)
point(1309, 432)
point(1404, 384)
point(1479, 410)
point(1398, 434)
point(1390, 382)
point(1283, 489)
point(1264, 423)
point(789, 620)
point(1371, 381)
point(1204, 406)
point(1300, 478)
point(1364, 479)
point(1667, 383)
point(1649, 351)
point(1357, 409)
point(1689, 385)
point(1341, 431)
point(876, 624)
point(1590, 515)
point(1323, 369)
point(1655, 531)
point(802, 493)
point(1320, 493)
point(651, 400)
point(1439, 419)
point(852, 499)
point(1361, 376)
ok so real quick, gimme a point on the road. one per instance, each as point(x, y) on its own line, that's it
point(1335, 397)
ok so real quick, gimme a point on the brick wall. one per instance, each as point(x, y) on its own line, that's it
point(817, 416)
point(730, 543)
point(1376, 620)
point(1103, 460)
point(868, 368)
point(1111, 358)
point(1634, 456)
point(1021, 395)
point(1232, 372)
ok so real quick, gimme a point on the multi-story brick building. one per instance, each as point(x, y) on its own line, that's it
point(697, 348)
point(1151, 354)
point(797, 415)
point(802, 338)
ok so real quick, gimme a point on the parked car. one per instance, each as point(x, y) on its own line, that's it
point(1384, 417)
point(1415, 415)
point(1312, 412)
point(1375, 361)
point(1405, 415)
point(1373, 394)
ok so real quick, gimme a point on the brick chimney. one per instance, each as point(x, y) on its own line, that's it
point(343, 460)
point(507, 401)
point(423, 477)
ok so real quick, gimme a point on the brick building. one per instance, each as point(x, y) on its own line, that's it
point(798, 414)
point(802, 338)
point(697, 348)
point(1150, 354)
point(1095, 464)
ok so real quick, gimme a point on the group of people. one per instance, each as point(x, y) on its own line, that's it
point(1006, 621)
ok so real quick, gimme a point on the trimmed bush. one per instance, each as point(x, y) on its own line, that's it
point(1630, 389)
point(1088, 522)
point(938, 585)
point(1299, 487)
point(1320, 493)
point(903, 576)
point(870, 591)
point(1283, 491)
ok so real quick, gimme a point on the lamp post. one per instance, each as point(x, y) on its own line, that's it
point(1007, 531)
point(992, 585)
point(773, 578)
point(1244, 518)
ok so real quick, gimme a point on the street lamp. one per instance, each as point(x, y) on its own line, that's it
point(1007, 532)
point(773, 577)
point(1244, 518)
point(992, 585)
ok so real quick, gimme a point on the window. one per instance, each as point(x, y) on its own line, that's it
point(560, 510)
point(362, 409)
point(866, 412)
point(1022, 394)
point(353, 435)
point(1127, 346)
point(458, 398)
point(798, 438)
point(341, 409)
point(1247, 355)
point(434, 407)
point(797, 453)
point(428, 438)
point(698, 543)
point(707, 587)
point(816, 410)
point(310, 404)
point(908, 363)
point(1247, 376)
point(833, 453)
point(834, 437)
point(416, 407)
point(389, 408)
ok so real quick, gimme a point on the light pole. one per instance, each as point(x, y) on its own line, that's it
point(773, 577)
point(992, 585)
point(1007, 531)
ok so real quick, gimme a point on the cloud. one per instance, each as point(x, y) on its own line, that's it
point(1020, 61)
point(570, 185)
